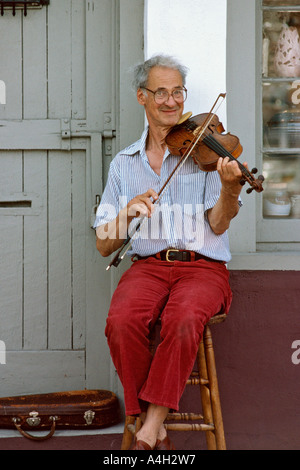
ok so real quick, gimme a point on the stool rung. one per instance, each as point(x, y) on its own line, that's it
point(189, 427)
point(183, 416)
point(197, 381)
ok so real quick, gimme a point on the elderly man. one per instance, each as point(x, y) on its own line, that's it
point(179, 254)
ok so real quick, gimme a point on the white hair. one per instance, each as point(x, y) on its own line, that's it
point(141, 71)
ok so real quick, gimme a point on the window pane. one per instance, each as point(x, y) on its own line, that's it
point(281, 108)
point(281, 43)
point(281, 197)
point(281, 114)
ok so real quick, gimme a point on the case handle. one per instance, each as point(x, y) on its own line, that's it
point(36, 438)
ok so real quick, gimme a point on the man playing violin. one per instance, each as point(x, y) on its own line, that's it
point(179, 254)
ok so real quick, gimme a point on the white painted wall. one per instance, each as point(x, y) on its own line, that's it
point(195, 32)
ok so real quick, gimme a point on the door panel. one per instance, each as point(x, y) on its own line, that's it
point(59, 251)
point(35, 243)
point(11, 70)
point(34, 64)
point(60, 59)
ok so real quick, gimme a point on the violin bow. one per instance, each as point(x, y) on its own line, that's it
point(127, 243)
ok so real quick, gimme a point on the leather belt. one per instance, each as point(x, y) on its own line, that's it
point(173, 254)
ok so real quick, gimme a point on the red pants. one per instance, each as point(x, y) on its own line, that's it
point(187, 295)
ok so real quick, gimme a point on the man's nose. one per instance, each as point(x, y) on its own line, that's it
point(170, 101)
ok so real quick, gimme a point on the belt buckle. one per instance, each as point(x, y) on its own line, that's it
point(167, 255)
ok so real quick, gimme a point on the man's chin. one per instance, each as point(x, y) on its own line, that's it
point(171, 119)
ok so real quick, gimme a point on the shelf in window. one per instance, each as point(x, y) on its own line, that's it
point(280, 217)
point(279, 79)
point(291, 152)
point(289, 8)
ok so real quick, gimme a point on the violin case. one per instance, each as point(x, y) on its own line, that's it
point(84, 409)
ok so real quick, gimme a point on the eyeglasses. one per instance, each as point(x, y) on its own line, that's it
point(161, 96)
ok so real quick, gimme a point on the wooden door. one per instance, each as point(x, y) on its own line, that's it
point(59, 128)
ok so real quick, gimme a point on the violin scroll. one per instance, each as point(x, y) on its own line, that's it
point(256, 183)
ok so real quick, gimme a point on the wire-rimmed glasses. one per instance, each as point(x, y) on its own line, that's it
point(161, 95)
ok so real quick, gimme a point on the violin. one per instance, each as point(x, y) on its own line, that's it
point(212, 145)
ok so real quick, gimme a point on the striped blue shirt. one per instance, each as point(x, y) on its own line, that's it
point(179, 219)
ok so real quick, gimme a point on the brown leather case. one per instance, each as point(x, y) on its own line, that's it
point(84, 409)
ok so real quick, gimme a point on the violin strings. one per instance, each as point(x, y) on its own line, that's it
point(213, 144)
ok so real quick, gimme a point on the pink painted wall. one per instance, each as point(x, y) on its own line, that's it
point(259, 383)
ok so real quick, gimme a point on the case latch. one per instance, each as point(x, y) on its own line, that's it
point(34, 419)
point(89, 416)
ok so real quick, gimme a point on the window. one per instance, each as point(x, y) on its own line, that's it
point(279, 220)
point(261, 241)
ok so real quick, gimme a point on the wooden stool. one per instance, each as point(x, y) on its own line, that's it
point(206, 378)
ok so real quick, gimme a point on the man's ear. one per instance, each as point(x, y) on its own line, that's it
point(141, 97)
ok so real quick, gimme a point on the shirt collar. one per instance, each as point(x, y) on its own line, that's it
point(140, 146)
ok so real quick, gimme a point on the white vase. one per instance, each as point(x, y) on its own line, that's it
point(287, 53)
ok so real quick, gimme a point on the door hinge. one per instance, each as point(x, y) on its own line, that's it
point(108, 134)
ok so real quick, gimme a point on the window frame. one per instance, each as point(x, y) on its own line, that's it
point(256, 243)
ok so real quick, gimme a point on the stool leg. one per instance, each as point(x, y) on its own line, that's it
point(135, 424)
point(127, 435)
point(205, 397)
point(138, 424)
point(215, 396)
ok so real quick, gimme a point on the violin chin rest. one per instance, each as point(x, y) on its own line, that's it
point(184, 117)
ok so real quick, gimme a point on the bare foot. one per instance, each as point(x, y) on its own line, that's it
point(162, 433)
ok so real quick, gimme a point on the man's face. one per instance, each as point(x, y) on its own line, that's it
point(168, 113)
